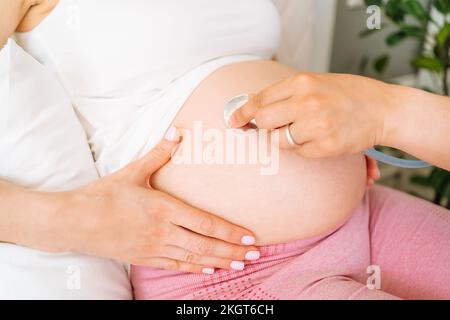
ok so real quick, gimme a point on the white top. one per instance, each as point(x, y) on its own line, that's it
point(113, 47)
point(42, 145)
point(129, 66)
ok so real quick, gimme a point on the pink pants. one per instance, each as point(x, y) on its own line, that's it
point(404, 241)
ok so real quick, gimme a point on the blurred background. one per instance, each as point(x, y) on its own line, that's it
point(398, 41)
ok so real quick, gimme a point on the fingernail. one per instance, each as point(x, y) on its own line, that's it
point(208, 271)
point(237, 265)
point(232, 121)
point(248, 240)
point(172, 134)
point(378, 174)
point(252, 255)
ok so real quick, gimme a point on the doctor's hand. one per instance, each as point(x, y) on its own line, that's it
point(122, 217)
point(327, 115)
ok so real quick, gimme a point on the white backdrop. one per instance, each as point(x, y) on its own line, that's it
point(307, 38)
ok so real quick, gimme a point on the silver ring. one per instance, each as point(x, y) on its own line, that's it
point(289, 137)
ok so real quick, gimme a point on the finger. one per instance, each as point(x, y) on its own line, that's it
point(300, 135)
point(141, 170)
point(316, 150)
point(278, 114)
point(278, 92)
point(180, 254)
point(174, 265)
point(210, 247)
point(162, 153)
point(373, 172)
point(377, 174)
point(209, 225)
point(242, 116)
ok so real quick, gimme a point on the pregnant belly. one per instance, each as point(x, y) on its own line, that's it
point(295, 199)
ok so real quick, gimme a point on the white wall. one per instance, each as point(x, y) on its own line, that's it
point(307, 33)
point(349, 49)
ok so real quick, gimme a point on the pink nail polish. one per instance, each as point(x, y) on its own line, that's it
point(209, 271)
point(237, 265)
point(232, 121)
point(378, 174)
point(252, 255)
point(248, 240)
point(172, 134)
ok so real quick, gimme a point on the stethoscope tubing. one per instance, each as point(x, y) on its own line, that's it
point(394, 161)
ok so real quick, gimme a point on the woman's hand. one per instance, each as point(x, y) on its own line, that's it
point(122, 217)
point(373, 172)
point(328, 114)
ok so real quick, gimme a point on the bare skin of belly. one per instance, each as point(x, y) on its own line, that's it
point(305, 198)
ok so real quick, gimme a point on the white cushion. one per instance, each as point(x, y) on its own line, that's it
point(43, 147)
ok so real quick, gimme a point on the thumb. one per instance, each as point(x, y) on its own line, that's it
point(141, 170)
point(243, 115)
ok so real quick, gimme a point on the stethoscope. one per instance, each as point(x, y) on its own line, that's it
point(239, 101)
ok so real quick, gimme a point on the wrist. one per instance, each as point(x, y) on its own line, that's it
point(78, 222)
point(24, 213)
point(64, 218)
point(399, 100)
point(13, 212)
point(43, 221)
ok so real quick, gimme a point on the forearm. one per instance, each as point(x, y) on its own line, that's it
point(27, 217)
point(419, 123)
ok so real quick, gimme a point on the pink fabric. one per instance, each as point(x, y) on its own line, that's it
point(409, 239)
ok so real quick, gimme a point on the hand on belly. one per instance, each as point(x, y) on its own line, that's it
point(300, 199)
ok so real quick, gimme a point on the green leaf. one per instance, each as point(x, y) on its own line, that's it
point(414, 31)
point(438, 178)
point(442, 6)
point(380, 64)
point(428, 63)
point(395, 11)
point(373, 2)
point(395, 38)
point(443, 36)
point(421, 181)
point(416, 9)
point(437, 50)
point(446, 191)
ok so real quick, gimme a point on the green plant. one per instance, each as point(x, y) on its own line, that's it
point(411, 19)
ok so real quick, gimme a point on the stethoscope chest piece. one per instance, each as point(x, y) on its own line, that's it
point(233, 105)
